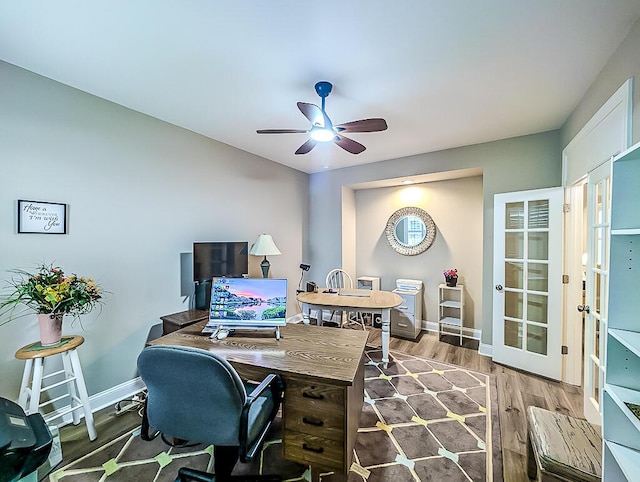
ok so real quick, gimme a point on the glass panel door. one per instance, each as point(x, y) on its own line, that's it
point(596, 288)
point(526, 273)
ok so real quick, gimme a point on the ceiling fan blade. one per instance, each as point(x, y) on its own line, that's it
point(282, 131)
point(315, 114)
point(349, 145)
point(306, 147)
point(363, 125)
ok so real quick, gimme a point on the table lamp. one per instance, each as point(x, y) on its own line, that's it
point(264, 246)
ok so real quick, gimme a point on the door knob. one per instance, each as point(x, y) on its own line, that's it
point(584, 308)
point(499, 287)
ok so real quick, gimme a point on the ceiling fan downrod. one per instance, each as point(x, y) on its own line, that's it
point(323, 89)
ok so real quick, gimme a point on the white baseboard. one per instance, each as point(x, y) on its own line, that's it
point(101, 400)
point(466, 332)
point(485, 350)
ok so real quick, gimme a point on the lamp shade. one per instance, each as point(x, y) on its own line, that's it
point(264, 246)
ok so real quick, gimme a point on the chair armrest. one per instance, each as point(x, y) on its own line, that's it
point(256, 392)
point(274, 383)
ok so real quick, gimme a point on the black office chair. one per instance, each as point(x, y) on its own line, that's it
point(25, 441)
point(196, 395)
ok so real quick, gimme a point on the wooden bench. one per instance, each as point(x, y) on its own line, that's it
point(560, 447)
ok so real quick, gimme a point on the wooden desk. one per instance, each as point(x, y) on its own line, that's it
point(175, 321)
point(324, 383)
point(378, 302)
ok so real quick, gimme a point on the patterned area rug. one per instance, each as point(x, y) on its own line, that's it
point(422, 421)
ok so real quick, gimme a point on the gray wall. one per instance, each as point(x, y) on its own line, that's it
point(456, 209)
point(528, 162)
point(140, 192)
point(623, 64)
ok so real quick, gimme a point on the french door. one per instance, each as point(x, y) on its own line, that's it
point(527, 274)
point(596, 288)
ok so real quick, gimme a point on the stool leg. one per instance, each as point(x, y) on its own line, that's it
point(36, 386)
point(70, 377)
point(532, 467)
point(24, 386)
point(82, 388)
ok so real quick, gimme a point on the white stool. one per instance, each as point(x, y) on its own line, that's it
point(34, 355)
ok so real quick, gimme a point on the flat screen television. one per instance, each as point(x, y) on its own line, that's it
point(248, 302)
point(214, 259)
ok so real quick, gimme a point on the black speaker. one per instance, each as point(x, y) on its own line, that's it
point(311, 287)
point(203, 295)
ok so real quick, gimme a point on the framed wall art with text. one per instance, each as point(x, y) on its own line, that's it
point(42, 217)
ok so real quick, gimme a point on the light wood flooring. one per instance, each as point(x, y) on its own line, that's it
point(516, 390)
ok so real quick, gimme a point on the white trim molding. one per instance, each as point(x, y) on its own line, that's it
point(606, 134)
point(485, 350)
point(101, 400)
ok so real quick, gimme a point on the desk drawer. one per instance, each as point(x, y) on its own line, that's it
point(315, 398)
point(309, 449)
point(408, 304)
point(319, 423)
point(403, 324)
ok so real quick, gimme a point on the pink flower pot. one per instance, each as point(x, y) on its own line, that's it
point(50, 328)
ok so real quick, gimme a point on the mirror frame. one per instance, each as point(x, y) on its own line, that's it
point(426, 243)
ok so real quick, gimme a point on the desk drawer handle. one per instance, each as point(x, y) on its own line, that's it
point(311, 448)
point(312, 421)
point(315, 396)
point(402, 325)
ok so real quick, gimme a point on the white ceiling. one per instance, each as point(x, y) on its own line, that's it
point(443, 73)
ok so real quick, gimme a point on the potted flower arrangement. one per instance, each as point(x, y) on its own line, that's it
point(451, 276)
point(51, 294)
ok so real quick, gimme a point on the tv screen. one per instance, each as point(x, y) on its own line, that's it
point(215, 259)
point(248, 302)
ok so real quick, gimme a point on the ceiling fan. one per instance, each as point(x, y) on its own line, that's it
point(322, 130)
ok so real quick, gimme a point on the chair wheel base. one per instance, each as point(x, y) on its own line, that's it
point(186, 474)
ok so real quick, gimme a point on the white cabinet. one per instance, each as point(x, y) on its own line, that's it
point(406, 319)
point(368, 283)
point(621, 428)
point(451, 310)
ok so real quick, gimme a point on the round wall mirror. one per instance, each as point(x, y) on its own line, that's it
point(410, 231)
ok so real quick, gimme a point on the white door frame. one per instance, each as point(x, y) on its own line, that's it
point(608, 132)
point(574, 247)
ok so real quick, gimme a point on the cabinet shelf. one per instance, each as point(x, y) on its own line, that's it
point(451, 310)
point(624, 181)
point(630, 339)
point(451, 321)
point(620, 395)
point(620, 427)
point(626, 459)
point(625, 232)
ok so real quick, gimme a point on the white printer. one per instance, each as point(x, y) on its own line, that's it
point(408, 284)
point(406, 319)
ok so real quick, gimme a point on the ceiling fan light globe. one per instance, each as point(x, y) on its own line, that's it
point(320, 134)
